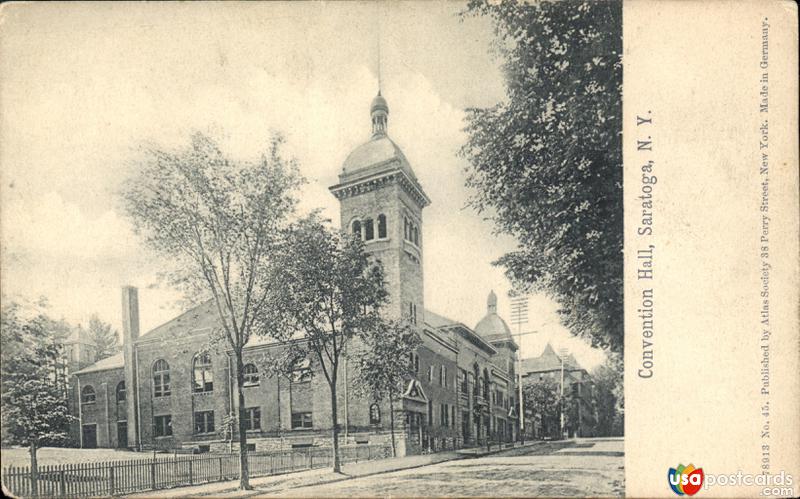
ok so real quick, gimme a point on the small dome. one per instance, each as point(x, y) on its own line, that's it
point(379, 103)
point(493, 327)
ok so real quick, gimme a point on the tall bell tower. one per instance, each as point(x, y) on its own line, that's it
point(381, 200)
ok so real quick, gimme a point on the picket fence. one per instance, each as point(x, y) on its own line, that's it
point(102, 479)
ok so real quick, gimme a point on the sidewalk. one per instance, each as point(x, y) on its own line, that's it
point(277, 483)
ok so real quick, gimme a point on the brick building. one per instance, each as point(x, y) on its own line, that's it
point(170, 388)
point(577, 383)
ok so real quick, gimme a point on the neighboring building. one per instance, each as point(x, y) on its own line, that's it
point(582, 418)
point(170, 389)
point(79, 350)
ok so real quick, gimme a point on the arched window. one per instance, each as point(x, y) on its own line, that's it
point(357, 228)
point(161, 386)
point(381, 226)
point(121, 391)
point(250, 375)
point(202, 375)
point(369, 230)
point(374, 414)
point(87, 395)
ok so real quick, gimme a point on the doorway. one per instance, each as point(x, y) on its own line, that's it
point(90, 436)
point(122, 434)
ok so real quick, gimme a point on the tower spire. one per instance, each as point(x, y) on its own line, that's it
point(378, 43)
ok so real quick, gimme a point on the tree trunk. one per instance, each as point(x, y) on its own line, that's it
point(337, 466)
point(391, 423)
point(244, 476)
point(34, 470)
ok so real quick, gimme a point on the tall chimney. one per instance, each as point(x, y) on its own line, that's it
point(130, 333)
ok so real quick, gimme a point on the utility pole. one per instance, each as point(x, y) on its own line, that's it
point(562, 352)
point(519, 316)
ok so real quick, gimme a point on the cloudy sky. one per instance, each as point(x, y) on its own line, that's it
point(84, 85)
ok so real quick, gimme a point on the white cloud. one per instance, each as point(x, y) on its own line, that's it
point(74, 114)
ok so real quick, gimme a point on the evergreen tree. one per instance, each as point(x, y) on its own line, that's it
point(105, 340)
point(32, 379)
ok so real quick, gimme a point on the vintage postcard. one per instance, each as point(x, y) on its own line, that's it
point(482, 248)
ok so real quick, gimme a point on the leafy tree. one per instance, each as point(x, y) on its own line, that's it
point(217, 220)
point(383, 365)
point(35, 411)
point(104, 339)
point(546, 163)
point(327, 291)
point(610, 396)
point(542, 400)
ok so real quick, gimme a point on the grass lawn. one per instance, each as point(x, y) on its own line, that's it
point(18, 456)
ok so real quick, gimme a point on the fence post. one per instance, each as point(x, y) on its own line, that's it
point(153, 475)
point(62, 482)
point(191, 481)
point(111, 484)
point(220, 469)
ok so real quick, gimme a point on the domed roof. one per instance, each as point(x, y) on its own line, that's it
point(492, 327)
point(379, 103)
point(377, 151)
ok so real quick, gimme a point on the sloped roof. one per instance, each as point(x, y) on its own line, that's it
point(116, 361)
point(203, 317)
point(549, 361)
point(437, 321)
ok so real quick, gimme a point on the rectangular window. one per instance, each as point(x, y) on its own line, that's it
point(162, 426)
point(430, 412)
point(430, 374)
point(161, 385)
point(443, 376)
point(204, 422)
point(252, 418)
point(382, 226)
point(301, 420)
point(414, 362)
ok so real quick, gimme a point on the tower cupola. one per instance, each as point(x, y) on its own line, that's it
point(491, 303)
point(379, 111)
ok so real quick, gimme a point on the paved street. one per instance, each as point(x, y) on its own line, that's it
point(575, 468)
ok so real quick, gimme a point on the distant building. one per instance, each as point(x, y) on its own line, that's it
point(79, 350)
point(168, 389)
point(581, 418)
